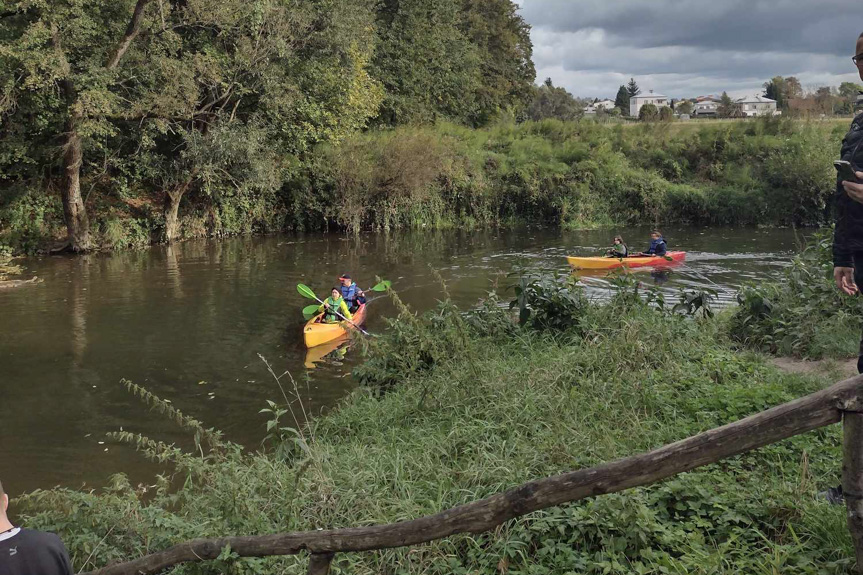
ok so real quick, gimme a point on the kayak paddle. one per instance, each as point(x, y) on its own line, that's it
point(383, 286)
point(307, 292)
point(310, 310)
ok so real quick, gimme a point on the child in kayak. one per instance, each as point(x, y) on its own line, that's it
point(618, 250)
point(657, 245)
point(333, 304)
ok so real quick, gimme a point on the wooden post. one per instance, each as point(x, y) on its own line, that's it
point(852, 479)
point(319, 563)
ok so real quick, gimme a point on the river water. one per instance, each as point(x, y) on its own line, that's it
point(189, 323)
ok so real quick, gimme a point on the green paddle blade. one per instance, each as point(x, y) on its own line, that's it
point(310, 311)
point(383, 286)
point(306, 291)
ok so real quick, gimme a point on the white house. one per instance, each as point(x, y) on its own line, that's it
point(605, 105)
point(636, 102)
point(756, 106)
point(706, 106)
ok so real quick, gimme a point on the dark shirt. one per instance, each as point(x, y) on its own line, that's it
point(31, 552)
point(848, 236)
point(657, 247)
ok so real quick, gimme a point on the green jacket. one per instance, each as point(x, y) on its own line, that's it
point(335, 305)
point(619, 250)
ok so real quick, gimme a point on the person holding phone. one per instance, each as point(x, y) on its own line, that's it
point(848, 235)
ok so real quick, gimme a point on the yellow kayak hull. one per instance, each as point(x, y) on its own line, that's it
point(316, 332)
point(600, 263)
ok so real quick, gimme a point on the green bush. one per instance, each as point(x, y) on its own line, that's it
point(802, 314)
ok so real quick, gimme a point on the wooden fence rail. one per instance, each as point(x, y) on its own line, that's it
point(817, 410)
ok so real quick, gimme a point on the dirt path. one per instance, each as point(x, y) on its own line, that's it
point(842, 368)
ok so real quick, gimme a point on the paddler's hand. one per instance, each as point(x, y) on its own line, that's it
point(845, 280)
point(854, 190)
point(326, 305)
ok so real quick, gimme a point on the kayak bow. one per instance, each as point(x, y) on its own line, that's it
point(317, 332)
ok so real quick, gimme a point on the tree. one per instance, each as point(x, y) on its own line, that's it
point(727, 108)
point(177, 104)
point(501, 38)
point(64, 59)
point(621, 101)
point(848, 92)
point(425, 61)
point(825, 100)
point(783, 90)
point(632, 88)
point(666, 114)
point(685, 107)
point(552, 102)
point(648, 113)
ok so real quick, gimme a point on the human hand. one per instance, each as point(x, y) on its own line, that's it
point(853, 189)
point(845, 280)
point(326, 305)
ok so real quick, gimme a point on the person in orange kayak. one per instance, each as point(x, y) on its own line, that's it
point(353, 295)
point(657, 245)
point(618, 250)
point(334, 305)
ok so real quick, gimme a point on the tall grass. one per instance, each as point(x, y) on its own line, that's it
point(455, 407)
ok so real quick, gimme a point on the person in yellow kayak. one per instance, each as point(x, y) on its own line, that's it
point(658, 247)
point(618, 250)
point(353, 295)
point(334, 305)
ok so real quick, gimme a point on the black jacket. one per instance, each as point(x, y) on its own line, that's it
point(848, 237)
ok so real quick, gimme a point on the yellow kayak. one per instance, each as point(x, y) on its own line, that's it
point(601, 263)
point(317, 332)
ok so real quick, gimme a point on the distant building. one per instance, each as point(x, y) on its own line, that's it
point(756, 106)
point(706, 106)
point(605, 105)
point(636, 102)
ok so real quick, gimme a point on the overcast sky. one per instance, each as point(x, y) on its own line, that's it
point(686, 48)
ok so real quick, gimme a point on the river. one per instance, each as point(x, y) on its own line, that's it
point(188, 323)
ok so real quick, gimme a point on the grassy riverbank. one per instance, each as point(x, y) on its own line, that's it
point(453, 408)
point(575, 174)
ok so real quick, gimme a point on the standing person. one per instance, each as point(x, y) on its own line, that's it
point(28, 552)
point(619, 249)
point(848, 235)
point(353, 295)
point(657, 245)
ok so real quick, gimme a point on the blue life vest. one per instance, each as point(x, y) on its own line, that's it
point(349, 293)
point(657, 247)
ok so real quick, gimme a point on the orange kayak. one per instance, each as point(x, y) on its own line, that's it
point(316, 332)
point(600, 263)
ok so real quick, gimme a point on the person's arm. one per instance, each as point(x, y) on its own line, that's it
point(343, 307)
point(843, 260)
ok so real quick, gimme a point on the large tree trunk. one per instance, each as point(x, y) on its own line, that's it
point(172, 218)
point(77, 222)
point(172, 208)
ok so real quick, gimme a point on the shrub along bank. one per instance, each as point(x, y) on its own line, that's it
point(801, 314)
point(573, 174)
point(454, 407)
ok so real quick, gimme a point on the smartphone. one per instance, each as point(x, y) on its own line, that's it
point(846, 172)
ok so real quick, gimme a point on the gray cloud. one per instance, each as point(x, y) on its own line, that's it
point(690, 47)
